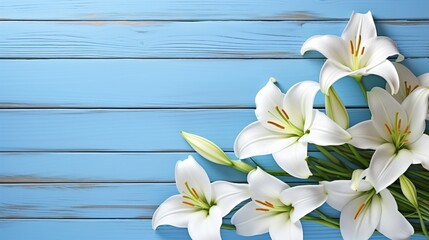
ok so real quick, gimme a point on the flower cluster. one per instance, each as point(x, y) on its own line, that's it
point(374, 173)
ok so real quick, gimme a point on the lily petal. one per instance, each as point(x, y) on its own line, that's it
point(304, 199)
point(357, 177)
point(264, 187)
point(420, 150)
point(172, 212)
point(360, 25)
point(249, 222)
point(286, 230)
point(386, 166)
point(298, 102)
point(383, 109)
point(392, 223)
point(358, 221)
point(332, 72)
point(190, 173)
point(293, 160)
point(424, 81)
point(365, 136)
point(228, 195)
point(206, 226)
point(267, 99)
point(330, 46)
point(416, 107)
point(378, 50)
point(340, 193)
point(255, 140)
point(406, 79)
point(387, 71)
point(325, 131)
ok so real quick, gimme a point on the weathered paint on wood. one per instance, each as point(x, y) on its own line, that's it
point(208, 9)
point(162, 83)
point(21, 167)
point(124, 130)
point(208, 39)
point(88, 200)
point(48, 229)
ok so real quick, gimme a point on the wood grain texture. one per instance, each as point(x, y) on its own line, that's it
point(209, 9)
point(132, 230)
point(123, 130)
point(162, 83)
point(209, 39)
point(88, 200)
point(21, 167)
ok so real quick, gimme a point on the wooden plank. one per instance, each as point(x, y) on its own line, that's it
point(122, 129)
point(208, 39)
point(101, 83)
point(87, 200)
point(209, 9)
point(131, 230)
point(94, 167)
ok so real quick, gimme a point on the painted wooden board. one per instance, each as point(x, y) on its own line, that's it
point(101, 83)
point(41, 167)
point(124, 129)
point(130, 230)
point(211, 9)
point(88, 200)
point(208, 39)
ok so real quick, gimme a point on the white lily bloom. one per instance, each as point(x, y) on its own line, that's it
point(396, 133)
point(200, 205)
point(363, 210)
point(286, 124)
point(276, 208)
point(408, 83)
point(358, 52)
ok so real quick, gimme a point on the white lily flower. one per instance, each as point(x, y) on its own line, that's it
point(408, 82)
point(200, 205)
point(396, 133)
point(276, 208)
point(363, 210)
point(286, 124)
point(358, 52)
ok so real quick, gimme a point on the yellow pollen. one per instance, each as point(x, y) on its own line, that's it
point(388, 129)
point(262, 209)
point(266, 203)
point(276, 124)
point(195, 192)
point(359, 210)
point(351, 47)
point(284, 112)
point(358, 46)
point(363, 50)
point(399, 124)
point(188, 203)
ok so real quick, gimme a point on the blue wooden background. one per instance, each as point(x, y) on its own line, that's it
point(93, 95)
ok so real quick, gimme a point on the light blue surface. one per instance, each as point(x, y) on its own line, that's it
point(93, 95)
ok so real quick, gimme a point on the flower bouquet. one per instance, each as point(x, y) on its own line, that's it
point(374, 173)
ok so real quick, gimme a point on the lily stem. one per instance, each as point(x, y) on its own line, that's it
point(362, 86)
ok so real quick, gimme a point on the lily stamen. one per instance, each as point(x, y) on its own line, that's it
point(388, 129)
point(276, 124)
point(358, 46)
point(351, 47)
point(359, 210)
point(262, 209)
point(188, 203)
point(266, 203)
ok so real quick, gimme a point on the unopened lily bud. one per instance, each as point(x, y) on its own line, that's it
point(409, 190)
point(207, 149)
point(335, 109)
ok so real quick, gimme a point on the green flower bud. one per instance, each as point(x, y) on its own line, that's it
point(207, 149)
point(409, 190)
